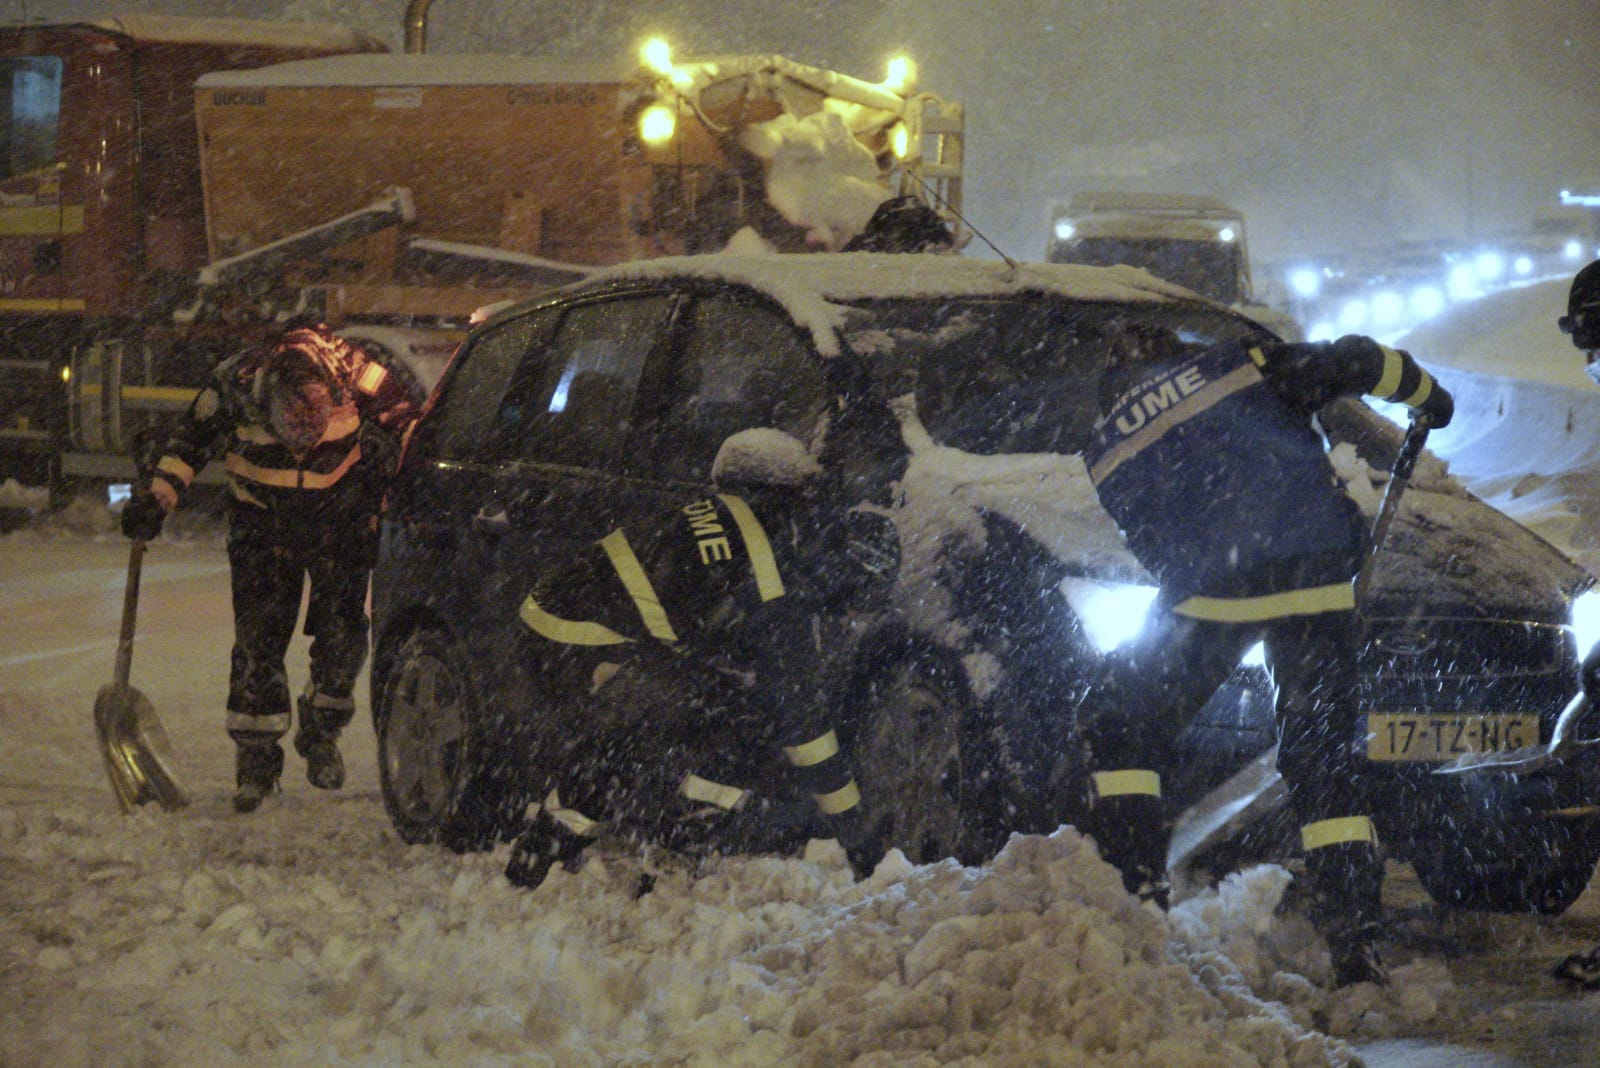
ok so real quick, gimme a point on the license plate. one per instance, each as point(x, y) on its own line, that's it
point(1406, 736)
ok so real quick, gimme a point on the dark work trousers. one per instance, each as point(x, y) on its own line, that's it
point(1153, 689)
point(271, 556)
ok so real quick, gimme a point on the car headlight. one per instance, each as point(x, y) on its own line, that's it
point(1586, 620)
point(1111, 612)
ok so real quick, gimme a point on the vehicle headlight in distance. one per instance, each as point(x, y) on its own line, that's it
point(1586, 620)
point(1111, 612)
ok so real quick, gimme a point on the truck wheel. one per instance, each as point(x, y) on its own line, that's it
point(1544, 871)
point(914, 758)
point(433, 744)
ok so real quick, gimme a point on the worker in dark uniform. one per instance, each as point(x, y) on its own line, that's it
point(1582, 321)
point(310, 426)
point(1582, 324)
point(729, 586)
point(1208, 461)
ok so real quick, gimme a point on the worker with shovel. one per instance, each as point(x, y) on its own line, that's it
point(310, 426)
point(1207, 459)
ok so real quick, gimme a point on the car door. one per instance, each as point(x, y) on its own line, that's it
point(558, 472)
point(430, 548)
point(737, 363)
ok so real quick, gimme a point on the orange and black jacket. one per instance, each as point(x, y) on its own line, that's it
point(230, 414)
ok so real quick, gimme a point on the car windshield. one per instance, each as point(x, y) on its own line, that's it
point(1011, 375)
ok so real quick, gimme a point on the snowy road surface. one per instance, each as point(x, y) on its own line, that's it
point(308, 933)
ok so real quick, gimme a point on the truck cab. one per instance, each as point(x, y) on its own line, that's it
point(1195, 241)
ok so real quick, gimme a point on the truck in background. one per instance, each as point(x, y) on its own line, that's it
point(174, 187)
point(1194, 241)
point(101, 223)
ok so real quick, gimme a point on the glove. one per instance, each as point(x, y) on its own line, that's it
point(142, 516)
point(853, 560)
point(1438, 408)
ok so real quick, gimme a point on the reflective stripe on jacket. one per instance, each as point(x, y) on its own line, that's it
point(707, 550)
point(261, 469)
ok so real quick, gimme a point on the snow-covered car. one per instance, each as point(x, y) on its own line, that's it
point(563, 414)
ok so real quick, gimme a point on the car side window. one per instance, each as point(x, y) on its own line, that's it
point(479, 381)
point(740, 365)
point(573, 401)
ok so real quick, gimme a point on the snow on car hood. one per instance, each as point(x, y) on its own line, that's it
point(945, 493)
point(1454, 554)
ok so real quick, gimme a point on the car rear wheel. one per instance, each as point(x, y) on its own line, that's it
point(1544, 871)
point(431, 748)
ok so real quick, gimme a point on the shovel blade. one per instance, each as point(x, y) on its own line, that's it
point(138, 756)
point(1504, 762)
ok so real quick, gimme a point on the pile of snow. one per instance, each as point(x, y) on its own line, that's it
point(818, 175)
point(14, 494)
point(297, 941)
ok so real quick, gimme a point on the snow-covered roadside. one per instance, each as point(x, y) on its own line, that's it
point(310, 934)
point(1526, 437)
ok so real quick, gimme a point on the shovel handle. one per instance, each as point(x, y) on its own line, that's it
point(1405, 462)
point(130, 612)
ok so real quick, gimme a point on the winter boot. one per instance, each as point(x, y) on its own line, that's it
point(544, 844)
point(1581, 969)
point(1346, 882)
point(1132, 837)
point(862, 839)
point(258, 766)
point(321, 719)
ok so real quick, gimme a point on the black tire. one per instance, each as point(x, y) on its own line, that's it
point(915, 755)
point(433, 746)
point(1544, 870)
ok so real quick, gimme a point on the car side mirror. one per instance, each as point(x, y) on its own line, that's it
point(764, 457)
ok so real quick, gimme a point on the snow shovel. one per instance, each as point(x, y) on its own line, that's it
point(1529, 758)
point(137, 754)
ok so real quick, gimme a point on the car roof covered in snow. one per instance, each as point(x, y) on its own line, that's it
point(812, 287)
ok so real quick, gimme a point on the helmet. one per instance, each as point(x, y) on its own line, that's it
point(903, 224)
point(295, 392)
point(1582, 320)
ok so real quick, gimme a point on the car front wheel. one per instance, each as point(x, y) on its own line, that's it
point(1543, 870)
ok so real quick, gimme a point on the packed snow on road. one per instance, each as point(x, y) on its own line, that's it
point(308, 933)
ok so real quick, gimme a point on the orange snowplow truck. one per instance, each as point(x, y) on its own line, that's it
point(394, 194)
